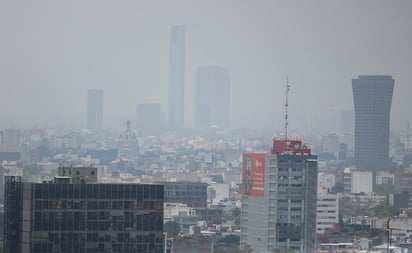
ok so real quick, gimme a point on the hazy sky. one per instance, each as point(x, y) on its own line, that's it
point(52, 52)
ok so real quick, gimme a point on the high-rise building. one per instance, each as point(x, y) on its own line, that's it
point(279, 192)
point(149, 119)
point(177, 77)
point(95, 109)
point(82, 217)
point(372, 96)
point(212, 97)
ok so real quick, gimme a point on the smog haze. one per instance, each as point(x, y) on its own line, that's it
point(52, 52)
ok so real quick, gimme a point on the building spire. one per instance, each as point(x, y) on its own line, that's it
point(286, 108)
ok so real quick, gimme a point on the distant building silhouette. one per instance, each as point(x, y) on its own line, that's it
point(372, 97)
point(95, 109)
point(212, 97)
point(149, 119)
point(128, 144)
point(177, 77)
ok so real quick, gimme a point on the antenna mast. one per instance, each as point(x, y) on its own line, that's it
point(407, 139)
point(286, 108)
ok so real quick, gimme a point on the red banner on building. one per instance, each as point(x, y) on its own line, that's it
point(253, 174)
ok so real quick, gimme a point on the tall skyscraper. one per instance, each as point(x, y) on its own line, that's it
point(212, 97)
point(372, 96)
point(279, 198)
point(95, 109)
point(177, 77)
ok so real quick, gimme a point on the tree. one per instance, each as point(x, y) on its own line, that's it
point(172, 228)
point(236, 212)
point(282, 250)
point(236, 216)
point(407, 160)
point(383, 211)
point(348, 208)
point(246, 249)
point(226, 250)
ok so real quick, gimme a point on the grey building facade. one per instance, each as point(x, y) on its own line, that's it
point(176, 77)
point(212, 97)
point(279, 213)
point(95, 109)
point(372, 96)
point(88, 218)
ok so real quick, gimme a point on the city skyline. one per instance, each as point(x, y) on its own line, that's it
point(43, 60)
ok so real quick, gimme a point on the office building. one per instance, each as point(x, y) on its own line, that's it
point(327, 217)
point(355, 182)
point(372, 97)
point(279, 192)
point(212, 97)
point(193, 194)
point(177, 77)
point(149, 119)
point(95, 109)
point(59, 216)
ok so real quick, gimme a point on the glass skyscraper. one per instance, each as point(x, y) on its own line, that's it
point(372, 97)
point(95, 109)
point(177, 77)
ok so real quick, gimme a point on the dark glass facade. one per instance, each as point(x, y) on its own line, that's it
point(87, 218)
point(372, 96)
point(194, 194)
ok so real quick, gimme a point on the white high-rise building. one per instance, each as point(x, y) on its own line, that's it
point(279, 192)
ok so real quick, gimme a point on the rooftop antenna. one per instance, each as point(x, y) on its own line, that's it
point(286, 108)
point(407, 139)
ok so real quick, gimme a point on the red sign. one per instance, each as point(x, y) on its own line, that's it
point(253, 174)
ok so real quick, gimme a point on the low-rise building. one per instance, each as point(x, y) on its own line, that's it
point(327, 212)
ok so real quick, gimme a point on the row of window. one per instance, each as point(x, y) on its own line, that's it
point(92, 204)
point(100, 191)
